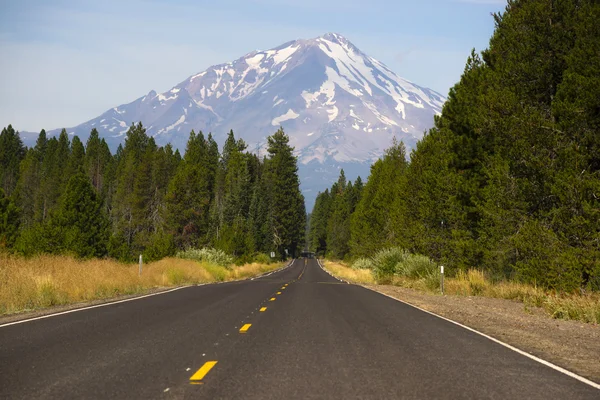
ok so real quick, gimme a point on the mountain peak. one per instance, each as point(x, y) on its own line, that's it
point(337, 104)
point(334, 37)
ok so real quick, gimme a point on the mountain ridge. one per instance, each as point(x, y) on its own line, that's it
point(339, 106)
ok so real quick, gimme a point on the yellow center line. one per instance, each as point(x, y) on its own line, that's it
point(245, 328)
point(278, 292)
point(263, 309)
point(272, 299)
point(201, 373)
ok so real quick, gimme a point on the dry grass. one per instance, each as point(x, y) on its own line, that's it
point(474, 282)
point(44, 281)
point(344, 272)
point(250, 270)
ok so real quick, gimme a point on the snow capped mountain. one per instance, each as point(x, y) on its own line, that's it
point(340, 107)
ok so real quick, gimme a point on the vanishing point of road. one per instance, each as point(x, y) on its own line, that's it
point(294, 334)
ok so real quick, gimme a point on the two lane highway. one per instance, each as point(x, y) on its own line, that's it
point(297, 333)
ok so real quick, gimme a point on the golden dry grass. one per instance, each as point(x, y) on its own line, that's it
point(44, 281)
point(578, 307)
point(346, 273)
point(474, 282)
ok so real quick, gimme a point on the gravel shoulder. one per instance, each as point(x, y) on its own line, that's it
point(572, 345)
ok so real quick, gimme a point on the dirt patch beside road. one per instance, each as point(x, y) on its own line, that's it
point(572, 345)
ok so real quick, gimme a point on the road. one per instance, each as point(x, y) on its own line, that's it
point(315, 338)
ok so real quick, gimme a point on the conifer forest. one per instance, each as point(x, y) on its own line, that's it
point(507, 180)
point(62, 196)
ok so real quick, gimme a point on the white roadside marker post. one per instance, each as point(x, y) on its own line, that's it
point(442, 278)
point(140, 271)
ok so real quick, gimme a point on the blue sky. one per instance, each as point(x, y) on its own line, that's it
point(65, 62)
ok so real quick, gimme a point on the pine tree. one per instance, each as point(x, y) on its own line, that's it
point(77, 157)
point(338, 225)
point(97, 162)
point(371, 228)
point(188, 197)
point(9, 221)
point(12, 152)
point(54, 174)
point(287, 214)
point(260, 211)
point(319, 221)
point(130, 202)
point(80, 223)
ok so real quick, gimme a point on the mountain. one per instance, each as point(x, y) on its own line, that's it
point(340, 107)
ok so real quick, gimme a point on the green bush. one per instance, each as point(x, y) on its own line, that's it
point(262, 258)
point(208, 255)
point(385, 263)
point(432, 280)
point(416, 266)
point(160, 245)
point(363, 263)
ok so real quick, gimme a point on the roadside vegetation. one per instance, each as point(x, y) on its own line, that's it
point(49, 280)
point(397, 267)
point(65, 196)
point(504, 190)
point(74, 218)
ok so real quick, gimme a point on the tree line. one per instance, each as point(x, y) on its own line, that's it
point(63, 197)
point(508, 180)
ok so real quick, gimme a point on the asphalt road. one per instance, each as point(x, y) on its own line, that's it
point(318, 338)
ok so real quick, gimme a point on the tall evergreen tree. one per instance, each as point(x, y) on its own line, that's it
point(9, 221)
point(188, 197)
point(12, 153)
point(80, 223)
point(287, 213)
point(319, 221)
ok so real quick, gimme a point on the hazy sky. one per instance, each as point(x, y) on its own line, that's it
point(65, 62)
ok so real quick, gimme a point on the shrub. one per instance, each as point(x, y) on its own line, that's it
point(432, 280)
point(416, 266)
point(363, 263)
point(161, 245)
point(385, 263)
point(262, 258)
point(212, 256)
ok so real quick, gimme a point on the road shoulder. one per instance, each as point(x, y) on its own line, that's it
point(572, 345)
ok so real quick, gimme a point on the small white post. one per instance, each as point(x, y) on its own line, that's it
point(442, 278)
point(140, 271)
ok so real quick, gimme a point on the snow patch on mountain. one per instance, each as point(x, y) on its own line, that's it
point(290, 114)
point(338, 105)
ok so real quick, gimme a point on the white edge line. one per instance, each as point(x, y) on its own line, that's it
point(524, 353)
point(110, 303)
point(273, 272)
point(335, 277)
